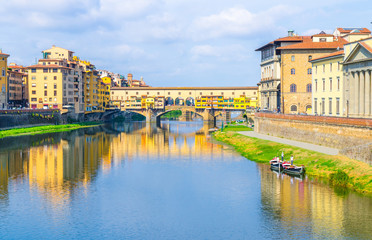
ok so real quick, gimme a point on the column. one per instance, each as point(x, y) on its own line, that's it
point(351, 78)
point(361, 94)
point(367, 95)
point(356, 93)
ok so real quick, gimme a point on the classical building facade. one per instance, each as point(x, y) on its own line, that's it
point(296, 70)
point(357, 73)
point(328, 85)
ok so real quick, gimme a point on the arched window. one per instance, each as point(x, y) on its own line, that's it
point(293, 88)
point(309, 87)
point(309, 71)
point(294, 108)
point(293, 71)
point(293, 58)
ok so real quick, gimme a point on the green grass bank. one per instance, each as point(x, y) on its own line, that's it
point(45, 129)
point(338, 170)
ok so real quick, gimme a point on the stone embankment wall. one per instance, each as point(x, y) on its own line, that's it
point(19, 118)
point(353, 136)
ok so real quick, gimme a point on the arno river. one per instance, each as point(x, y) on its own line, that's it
point(132, 181)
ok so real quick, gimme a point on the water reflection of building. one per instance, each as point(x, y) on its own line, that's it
point(58, 163)
point(310, 205)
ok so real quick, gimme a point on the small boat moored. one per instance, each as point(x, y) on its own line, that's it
point(294, 170)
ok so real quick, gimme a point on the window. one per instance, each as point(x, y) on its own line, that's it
point(33, 70)
point(3, 72)
point(310, 57)
point(323, 105)
point(330, 67)
point(33, 77)
point(330, 84)
point(309, 71)
point(55, 93)
point(55, 86)
point(322, 39)
point(293, 71)
point(45, 93)
point(158, 93)
point(315, 105)
point(33, 99)
point(33, 85)
point(323, 68)
point(45, 70)
point(308, 87)
point(316, 69)
point(294, 108)
point(338, 83)
point(136, 93)
point(55, 77)
point(33, 92)
point(316, 85)
point(330, 106)
point(45, 85)
point(55, 69)
point(338, 66)
point(45, 78)
point(293, 58)
point(293, 88)
point(50, 99)
point(323, 84)
point(338, 106)
point(179, 93)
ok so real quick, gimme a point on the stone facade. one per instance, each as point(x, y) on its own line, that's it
point(352, 136)
point(358, 82)
point(297, 79)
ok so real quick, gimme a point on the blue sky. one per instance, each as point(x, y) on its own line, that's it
point(169, 42)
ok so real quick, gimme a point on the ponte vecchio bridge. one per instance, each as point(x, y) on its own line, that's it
point(207, 102)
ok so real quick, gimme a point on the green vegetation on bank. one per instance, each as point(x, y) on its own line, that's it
point(45, 129)
point(236, 128)
point(172, 115)
point(339, 170)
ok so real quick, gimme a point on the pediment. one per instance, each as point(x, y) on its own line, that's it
point(359, 53)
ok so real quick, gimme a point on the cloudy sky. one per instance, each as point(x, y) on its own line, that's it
point(169, 42)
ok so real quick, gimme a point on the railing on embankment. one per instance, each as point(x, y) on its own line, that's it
point(353, 136)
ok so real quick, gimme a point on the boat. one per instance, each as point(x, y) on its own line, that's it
point(294, 170)
point(277, 164)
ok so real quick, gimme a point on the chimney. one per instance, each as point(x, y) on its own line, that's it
point(290, 33)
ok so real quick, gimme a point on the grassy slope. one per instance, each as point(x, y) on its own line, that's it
point(338, 169)
point(44, 129)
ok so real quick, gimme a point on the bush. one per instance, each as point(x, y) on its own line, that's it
point(339, 178)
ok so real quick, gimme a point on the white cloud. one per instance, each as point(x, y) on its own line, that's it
point(239, 22)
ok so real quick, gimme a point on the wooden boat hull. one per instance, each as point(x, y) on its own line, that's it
point(294, 171)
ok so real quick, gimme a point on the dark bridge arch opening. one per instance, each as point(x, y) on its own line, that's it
point(169, 101)
point(190, 101)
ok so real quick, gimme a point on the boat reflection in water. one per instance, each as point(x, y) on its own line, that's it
point(146, 182)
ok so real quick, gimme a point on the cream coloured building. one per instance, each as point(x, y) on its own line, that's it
point(328, 82)
point(3, 81)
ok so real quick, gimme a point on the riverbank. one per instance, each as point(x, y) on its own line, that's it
point(45, 129)
point(339, 170)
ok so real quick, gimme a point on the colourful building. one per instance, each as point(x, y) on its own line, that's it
point(296, 76)
point(328, 85)
point(3, 80)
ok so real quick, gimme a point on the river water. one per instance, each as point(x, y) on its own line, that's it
point(132, 181)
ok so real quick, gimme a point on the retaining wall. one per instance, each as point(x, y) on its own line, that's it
point(353, 136)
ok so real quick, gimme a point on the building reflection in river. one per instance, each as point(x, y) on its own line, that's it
point(55, 164)
point(292, 201)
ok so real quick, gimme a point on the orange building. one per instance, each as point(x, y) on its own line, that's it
point(296, 70)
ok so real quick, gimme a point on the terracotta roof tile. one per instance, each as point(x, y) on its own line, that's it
point(366, 46)
point(46, 66)
point(329, 55)
point(323, 35)
point(316, 45)
point(348, 30)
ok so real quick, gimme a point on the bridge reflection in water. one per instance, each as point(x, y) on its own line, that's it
point(61, 168)
point(55, 164)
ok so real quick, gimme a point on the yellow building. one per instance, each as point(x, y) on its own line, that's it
point(50, 85)
point(15, 96)
point(3, 80)
point(328, 81)
point(296, 76)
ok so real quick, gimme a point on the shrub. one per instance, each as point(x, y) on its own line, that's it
point(339, 178)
